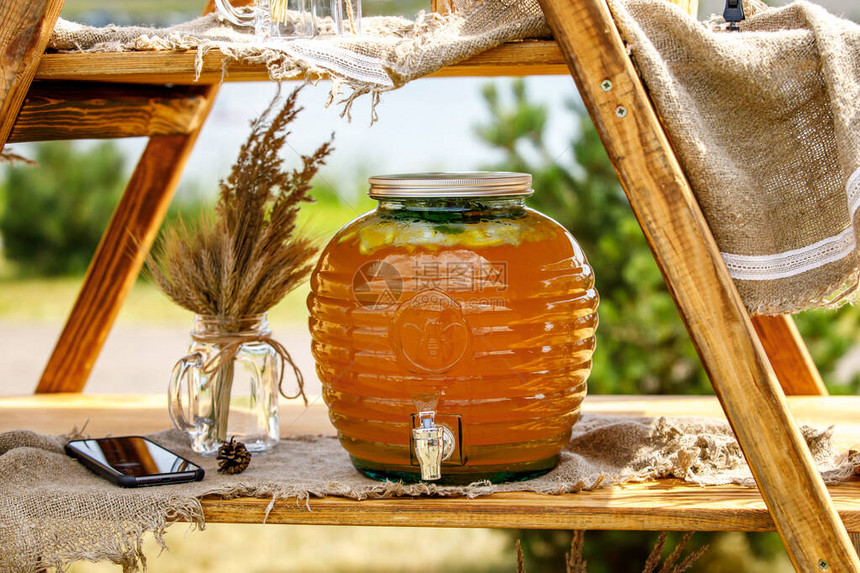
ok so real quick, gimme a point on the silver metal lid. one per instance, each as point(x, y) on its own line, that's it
point(464, 184)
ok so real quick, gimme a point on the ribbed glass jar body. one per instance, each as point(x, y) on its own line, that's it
point(477, 308)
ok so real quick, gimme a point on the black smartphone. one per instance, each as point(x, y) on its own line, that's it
point(133, 461)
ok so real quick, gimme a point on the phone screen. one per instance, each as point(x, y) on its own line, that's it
point(132, 456)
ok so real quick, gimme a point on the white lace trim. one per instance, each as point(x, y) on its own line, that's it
point(797, 261)
point(343, 62)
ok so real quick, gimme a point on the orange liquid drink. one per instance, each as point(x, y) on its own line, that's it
point(477, 309)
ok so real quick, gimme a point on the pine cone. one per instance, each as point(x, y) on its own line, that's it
point(233, 457)
point(854, 459)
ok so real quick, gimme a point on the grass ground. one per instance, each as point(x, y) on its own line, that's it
point(324, 549)
point(49, 300)
point(39, 299)
point(327, 549)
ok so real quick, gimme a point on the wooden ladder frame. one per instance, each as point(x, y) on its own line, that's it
point(730, 349)
point(746, 359)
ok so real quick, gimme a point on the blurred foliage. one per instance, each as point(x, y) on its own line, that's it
point(829, 335)
point(53, 214)
point(643, 347)
point(627, 551)
point(642, 344)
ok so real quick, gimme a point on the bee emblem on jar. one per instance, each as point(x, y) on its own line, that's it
point(430, 333)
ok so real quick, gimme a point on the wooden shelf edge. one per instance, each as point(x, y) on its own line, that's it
point(656, 506)
point(86, 110)
point(528, 57)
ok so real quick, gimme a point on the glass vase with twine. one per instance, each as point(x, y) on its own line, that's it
point(229, 270)
point(228, 384)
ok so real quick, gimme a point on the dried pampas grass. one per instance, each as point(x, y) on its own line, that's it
point(574, 562)
point(249, 256)
point(671, 565)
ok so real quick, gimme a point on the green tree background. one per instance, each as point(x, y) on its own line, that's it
point(54, 214)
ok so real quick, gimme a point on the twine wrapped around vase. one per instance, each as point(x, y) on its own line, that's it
point(205, 398)
point(229, 344)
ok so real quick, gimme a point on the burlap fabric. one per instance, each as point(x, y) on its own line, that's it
point(391, 51)
point(54, 511)
point(765, 124)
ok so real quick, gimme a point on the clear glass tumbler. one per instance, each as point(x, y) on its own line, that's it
point(337, 17)
point(273, 19)
point(227, 385)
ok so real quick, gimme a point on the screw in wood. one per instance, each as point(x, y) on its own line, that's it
point(606, 85)
point(621, 111)
point(823, 565)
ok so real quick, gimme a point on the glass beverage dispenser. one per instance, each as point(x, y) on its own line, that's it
point(453, 329)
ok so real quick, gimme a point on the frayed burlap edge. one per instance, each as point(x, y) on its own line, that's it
point(780, 296)
point(405, 49)
point(37, 551)
point(65, 513)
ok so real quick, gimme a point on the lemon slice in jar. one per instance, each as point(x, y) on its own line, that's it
point(429, 235)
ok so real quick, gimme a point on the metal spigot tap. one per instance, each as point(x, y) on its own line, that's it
point(433, 444)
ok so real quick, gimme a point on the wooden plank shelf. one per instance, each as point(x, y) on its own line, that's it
point(83, 110)
point(528, 57)
point(656, 505)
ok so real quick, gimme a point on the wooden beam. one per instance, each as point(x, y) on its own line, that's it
point(785, 349)
point(89, 110)
point(529, 57)
point(24, 34)
point(121, 253)
point(526, 58)
point(441, 6)
point(116, 414)
point(701, 286)
point(689, 6)
point(788, 355)
point(211, 7)
point(118, 259)
point(145, 413)
point(152, 67)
